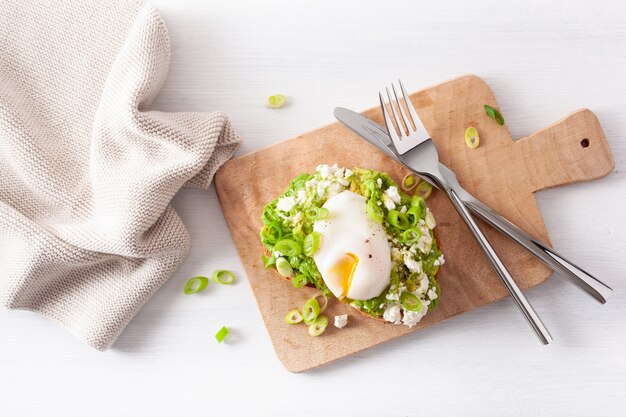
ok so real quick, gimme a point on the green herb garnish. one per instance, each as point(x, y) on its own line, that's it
point(494, 114)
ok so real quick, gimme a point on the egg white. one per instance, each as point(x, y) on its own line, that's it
point(354, 256)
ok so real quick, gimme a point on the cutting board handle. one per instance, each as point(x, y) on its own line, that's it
point(571, 150)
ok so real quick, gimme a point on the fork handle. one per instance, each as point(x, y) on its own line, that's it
point(518, 297)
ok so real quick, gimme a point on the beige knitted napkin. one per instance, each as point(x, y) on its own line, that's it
point(87, 170)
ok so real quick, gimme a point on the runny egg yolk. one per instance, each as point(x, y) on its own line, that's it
point(344, 269)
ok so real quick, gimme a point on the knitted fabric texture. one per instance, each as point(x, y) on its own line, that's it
point(87, 170)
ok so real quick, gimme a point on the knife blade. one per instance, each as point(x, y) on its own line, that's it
point(377, 135)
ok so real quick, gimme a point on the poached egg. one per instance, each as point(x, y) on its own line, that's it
point(354, 256)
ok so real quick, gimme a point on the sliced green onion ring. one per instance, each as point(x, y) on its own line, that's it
point(268, 261)
point(411, 235)
point(471, 138)
point(272, 233)
point(318, 326)
point(221, 334)
point(398, 220)
point(293, 317)
point(310, 311)
point(276, 101)
point(223, 276)
point(288, 247)
point(408, 182)
point(322, 301)
point(424, 190)
point(195, 285)
point(410, 301)
point(314, 213)
point(413, 215)
point(375, 211)
point(311, 243)
point(283, 267)
point(299, 281)
point(418, 201)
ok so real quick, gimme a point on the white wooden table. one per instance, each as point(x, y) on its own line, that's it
point(542, 59)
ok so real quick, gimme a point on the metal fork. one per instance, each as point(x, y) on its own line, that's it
point(417, 151)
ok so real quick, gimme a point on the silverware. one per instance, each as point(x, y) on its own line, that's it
point(377, 136)
point(416, 150)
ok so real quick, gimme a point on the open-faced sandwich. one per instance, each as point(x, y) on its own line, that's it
point(354, 234)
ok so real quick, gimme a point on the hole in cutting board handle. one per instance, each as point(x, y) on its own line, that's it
point(584, 143)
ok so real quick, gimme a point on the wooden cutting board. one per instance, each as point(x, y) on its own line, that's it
point(501, 172)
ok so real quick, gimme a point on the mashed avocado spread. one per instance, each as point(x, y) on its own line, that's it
point(288, 236)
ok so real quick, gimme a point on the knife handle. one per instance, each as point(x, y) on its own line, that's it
point(577, 276)
point(516, 294)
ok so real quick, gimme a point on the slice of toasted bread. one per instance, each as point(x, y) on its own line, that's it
point(361, 312)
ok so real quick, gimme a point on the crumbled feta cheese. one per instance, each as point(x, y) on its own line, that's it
point(296, 217)
point(334, 189)
point(347, 173)
point(321, 187)
point(403, 209)
point(285, 203)
point(424, 243)
point(379, 182)
point(301, 197)
point(430, 219)
point(389, 204)
point(432, 294)
point(439, 261)
point(343, 182)
point(393, 296)
point(412, 264)
point(324, 171)
point(392, 193)
point(424, 283)
point(411, 318)
point(312, 183)
point(341, 321)
point(327, 171)
point(392, 314)
point(277, 254)
point(380, 203)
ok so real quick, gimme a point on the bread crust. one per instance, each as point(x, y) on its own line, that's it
point(361, 312)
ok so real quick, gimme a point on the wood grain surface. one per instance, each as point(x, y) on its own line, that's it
point(502, 173)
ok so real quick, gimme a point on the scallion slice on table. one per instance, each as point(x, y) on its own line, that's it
point(195, 285)
point(318, 326)
point(410, 301)
point(310, 311)
point(471, 138)
point(408, 182)
point(223, 276)
point(322, 301)
point(221, 334)
point(424, 190)
point(311, 243)
point(283, 267)
point(494, 114)
point(293, 317)
point(276, 101)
